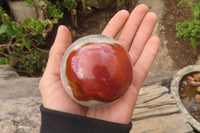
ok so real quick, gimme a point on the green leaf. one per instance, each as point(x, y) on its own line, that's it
point(29, 57)
point(19, 44)
point(27, 21)
point(29, 2)
point(39, 28)
point(4, 61)
point(26, 43)
point(55, 13)
point(14, 29)
point(54, 21)
point(41, 3)
point(3, 29)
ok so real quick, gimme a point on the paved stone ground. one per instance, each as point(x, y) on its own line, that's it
point(163, 63)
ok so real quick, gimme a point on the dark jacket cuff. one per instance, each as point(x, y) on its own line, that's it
point(61, 122)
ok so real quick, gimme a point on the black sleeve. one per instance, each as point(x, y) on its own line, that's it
point(60, 122)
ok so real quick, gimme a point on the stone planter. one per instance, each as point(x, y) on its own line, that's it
point(21, 10)
point(175, 92)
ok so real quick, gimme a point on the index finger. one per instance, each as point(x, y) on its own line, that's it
point(62, 42)
point(115, 24)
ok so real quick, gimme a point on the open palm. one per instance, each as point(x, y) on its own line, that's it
point(134, 32)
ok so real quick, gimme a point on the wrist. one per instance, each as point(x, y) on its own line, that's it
point(66, 122)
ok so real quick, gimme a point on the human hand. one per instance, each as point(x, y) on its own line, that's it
point(135, 34)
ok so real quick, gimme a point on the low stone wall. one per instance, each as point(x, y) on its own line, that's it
point(19, 103)
point(156, 110)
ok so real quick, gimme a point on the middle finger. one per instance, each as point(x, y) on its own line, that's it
point(130, 28)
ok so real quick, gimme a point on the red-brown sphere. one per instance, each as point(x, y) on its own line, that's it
point(98, 71)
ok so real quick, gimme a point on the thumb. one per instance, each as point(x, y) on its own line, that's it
point(61, 43)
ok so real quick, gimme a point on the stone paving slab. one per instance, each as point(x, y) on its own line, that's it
point(156, 111)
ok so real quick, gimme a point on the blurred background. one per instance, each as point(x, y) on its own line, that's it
point(28, 29)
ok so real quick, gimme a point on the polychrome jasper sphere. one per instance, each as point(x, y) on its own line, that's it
point(96, 70)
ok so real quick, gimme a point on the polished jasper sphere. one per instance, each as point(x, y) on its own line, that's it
point(96, 70)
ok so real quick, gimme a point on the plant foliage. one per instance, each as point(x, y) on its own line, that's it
point(190, 29)
point(20, 43)
point(73, 6)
